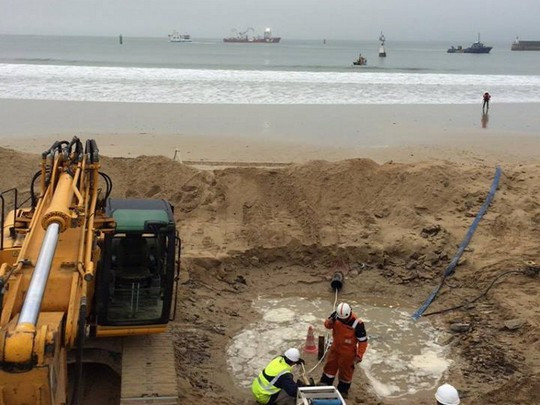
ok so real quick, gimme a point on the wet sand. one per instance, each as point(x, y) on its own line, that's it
point(251, 231)
point(280, 133)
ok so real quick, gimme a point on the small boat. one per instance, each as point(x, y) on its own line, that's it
point(478, 47)
point(361, 61)
point(176, 37)
point(453, 49)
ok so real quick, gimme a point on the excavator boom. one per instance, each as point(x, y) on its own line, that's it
point(66, 278)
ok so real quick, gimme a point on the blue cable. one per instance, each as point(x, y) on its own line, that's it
point(451, 267)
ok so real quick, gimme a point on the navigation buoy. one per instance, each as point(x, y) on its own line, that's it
point(382, 50)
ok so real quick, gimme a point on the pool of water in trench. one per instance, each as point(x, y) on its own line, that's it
point(402, 358)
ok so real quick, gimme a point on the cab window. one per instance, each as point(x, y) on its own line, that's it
point(137, 281)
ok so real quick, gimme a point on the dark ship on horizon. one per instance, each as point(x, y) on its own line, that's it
point(476, 47)
point(244, 37)
point(453, 49)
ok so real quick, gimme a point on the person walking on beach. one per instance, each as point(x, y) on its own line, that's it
point(349, 345)
point(486, 98)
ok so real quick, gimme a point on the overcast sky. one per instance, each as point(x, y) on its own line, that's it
point(447, 20)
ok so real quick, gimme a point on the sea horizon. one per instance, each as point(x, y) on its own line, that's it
point(154, 70)
point(463, 40)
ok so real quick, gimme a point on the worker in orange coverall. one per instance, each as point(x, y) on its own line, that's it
point(348, 347)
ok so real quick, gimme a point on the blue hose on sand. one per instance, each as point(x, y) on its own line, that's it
point(451, 267)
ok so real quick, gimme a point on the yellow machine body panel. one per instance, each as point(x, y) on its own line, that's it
point(110, 331)
point(31, 390)
point(43, 384)
point(12, 247)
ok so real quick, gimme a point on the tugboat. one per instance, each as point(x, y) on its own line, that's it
point(382, 51)
point(361, 61)
point(453, 49)
point(176, 37)
point(478, 47)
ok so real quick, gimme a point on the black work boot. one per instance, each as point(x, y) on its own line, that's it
point(343, 389)
point(325, 380)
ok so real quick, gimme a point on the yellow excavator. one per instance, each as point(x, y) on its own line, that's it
point(85, 278)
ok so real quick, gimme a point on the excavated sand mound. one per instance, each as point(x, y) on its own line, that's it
point(252, 231)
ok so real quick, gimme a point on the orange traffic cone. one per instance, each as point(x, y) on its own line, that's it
point(310, 346)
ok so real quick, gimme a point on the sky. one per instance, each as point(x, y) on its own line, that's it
point(429, 20)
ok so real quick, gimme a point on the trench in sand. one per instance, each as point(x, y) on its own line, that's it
point(403, 358)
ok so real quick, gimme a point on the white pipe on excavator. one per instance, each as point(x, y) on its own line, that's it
point(34, 296)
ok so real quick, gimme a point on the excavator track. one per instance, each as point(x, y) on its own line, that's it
point(148, 371)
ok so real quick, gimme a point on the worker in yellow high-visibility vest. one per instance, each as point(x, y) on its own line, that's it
point(275, 384)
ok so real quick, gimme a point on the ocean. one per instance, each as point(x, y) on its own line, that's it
point(153, 70)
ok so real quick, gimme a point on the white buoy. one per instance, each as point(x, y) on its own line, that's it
point(177, 157)
point(382, 50)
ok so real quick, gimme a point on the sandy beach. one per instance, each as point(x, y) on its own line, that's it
point(387, 191)
point(274, 133)
point(247, 155)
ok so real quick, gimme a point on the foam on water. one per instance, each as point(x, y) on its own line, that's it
point(279, 315)
point(402, 357)
point(211, 86)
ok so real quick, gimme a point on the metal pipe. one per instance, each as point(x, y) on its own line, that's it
point(43, 174)
point(337, 280)
point(34, 296)
point(91, 217)
point(33, 225)
point(2, 223)
point(75, 189)
point(80, 254)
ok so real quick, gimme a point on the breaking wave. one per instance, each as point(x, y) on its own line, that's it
point(205, 86)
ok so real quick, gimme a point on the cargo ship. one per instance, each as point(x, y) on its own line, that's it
point(520, 45)
point(244, 37)
point(176, 37)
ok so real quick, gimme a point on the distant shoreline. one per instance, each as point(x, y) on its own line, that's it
point(329, 40)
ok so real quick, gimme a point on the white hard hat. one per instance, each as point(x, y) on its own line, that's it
point(343, 310)
point(447, 395)
point(292, 354)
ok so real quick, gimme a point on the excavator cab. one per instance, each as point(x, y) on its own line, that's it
point(135, 284)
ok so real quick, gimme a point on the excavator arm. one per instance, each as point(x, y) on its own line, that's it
point(85, 277)
point(50, 281)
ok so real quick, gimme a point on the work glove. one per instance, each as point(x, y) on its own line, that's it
point(333, 316)
point(301, 361)
point(300, 383)
point(357, 360)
